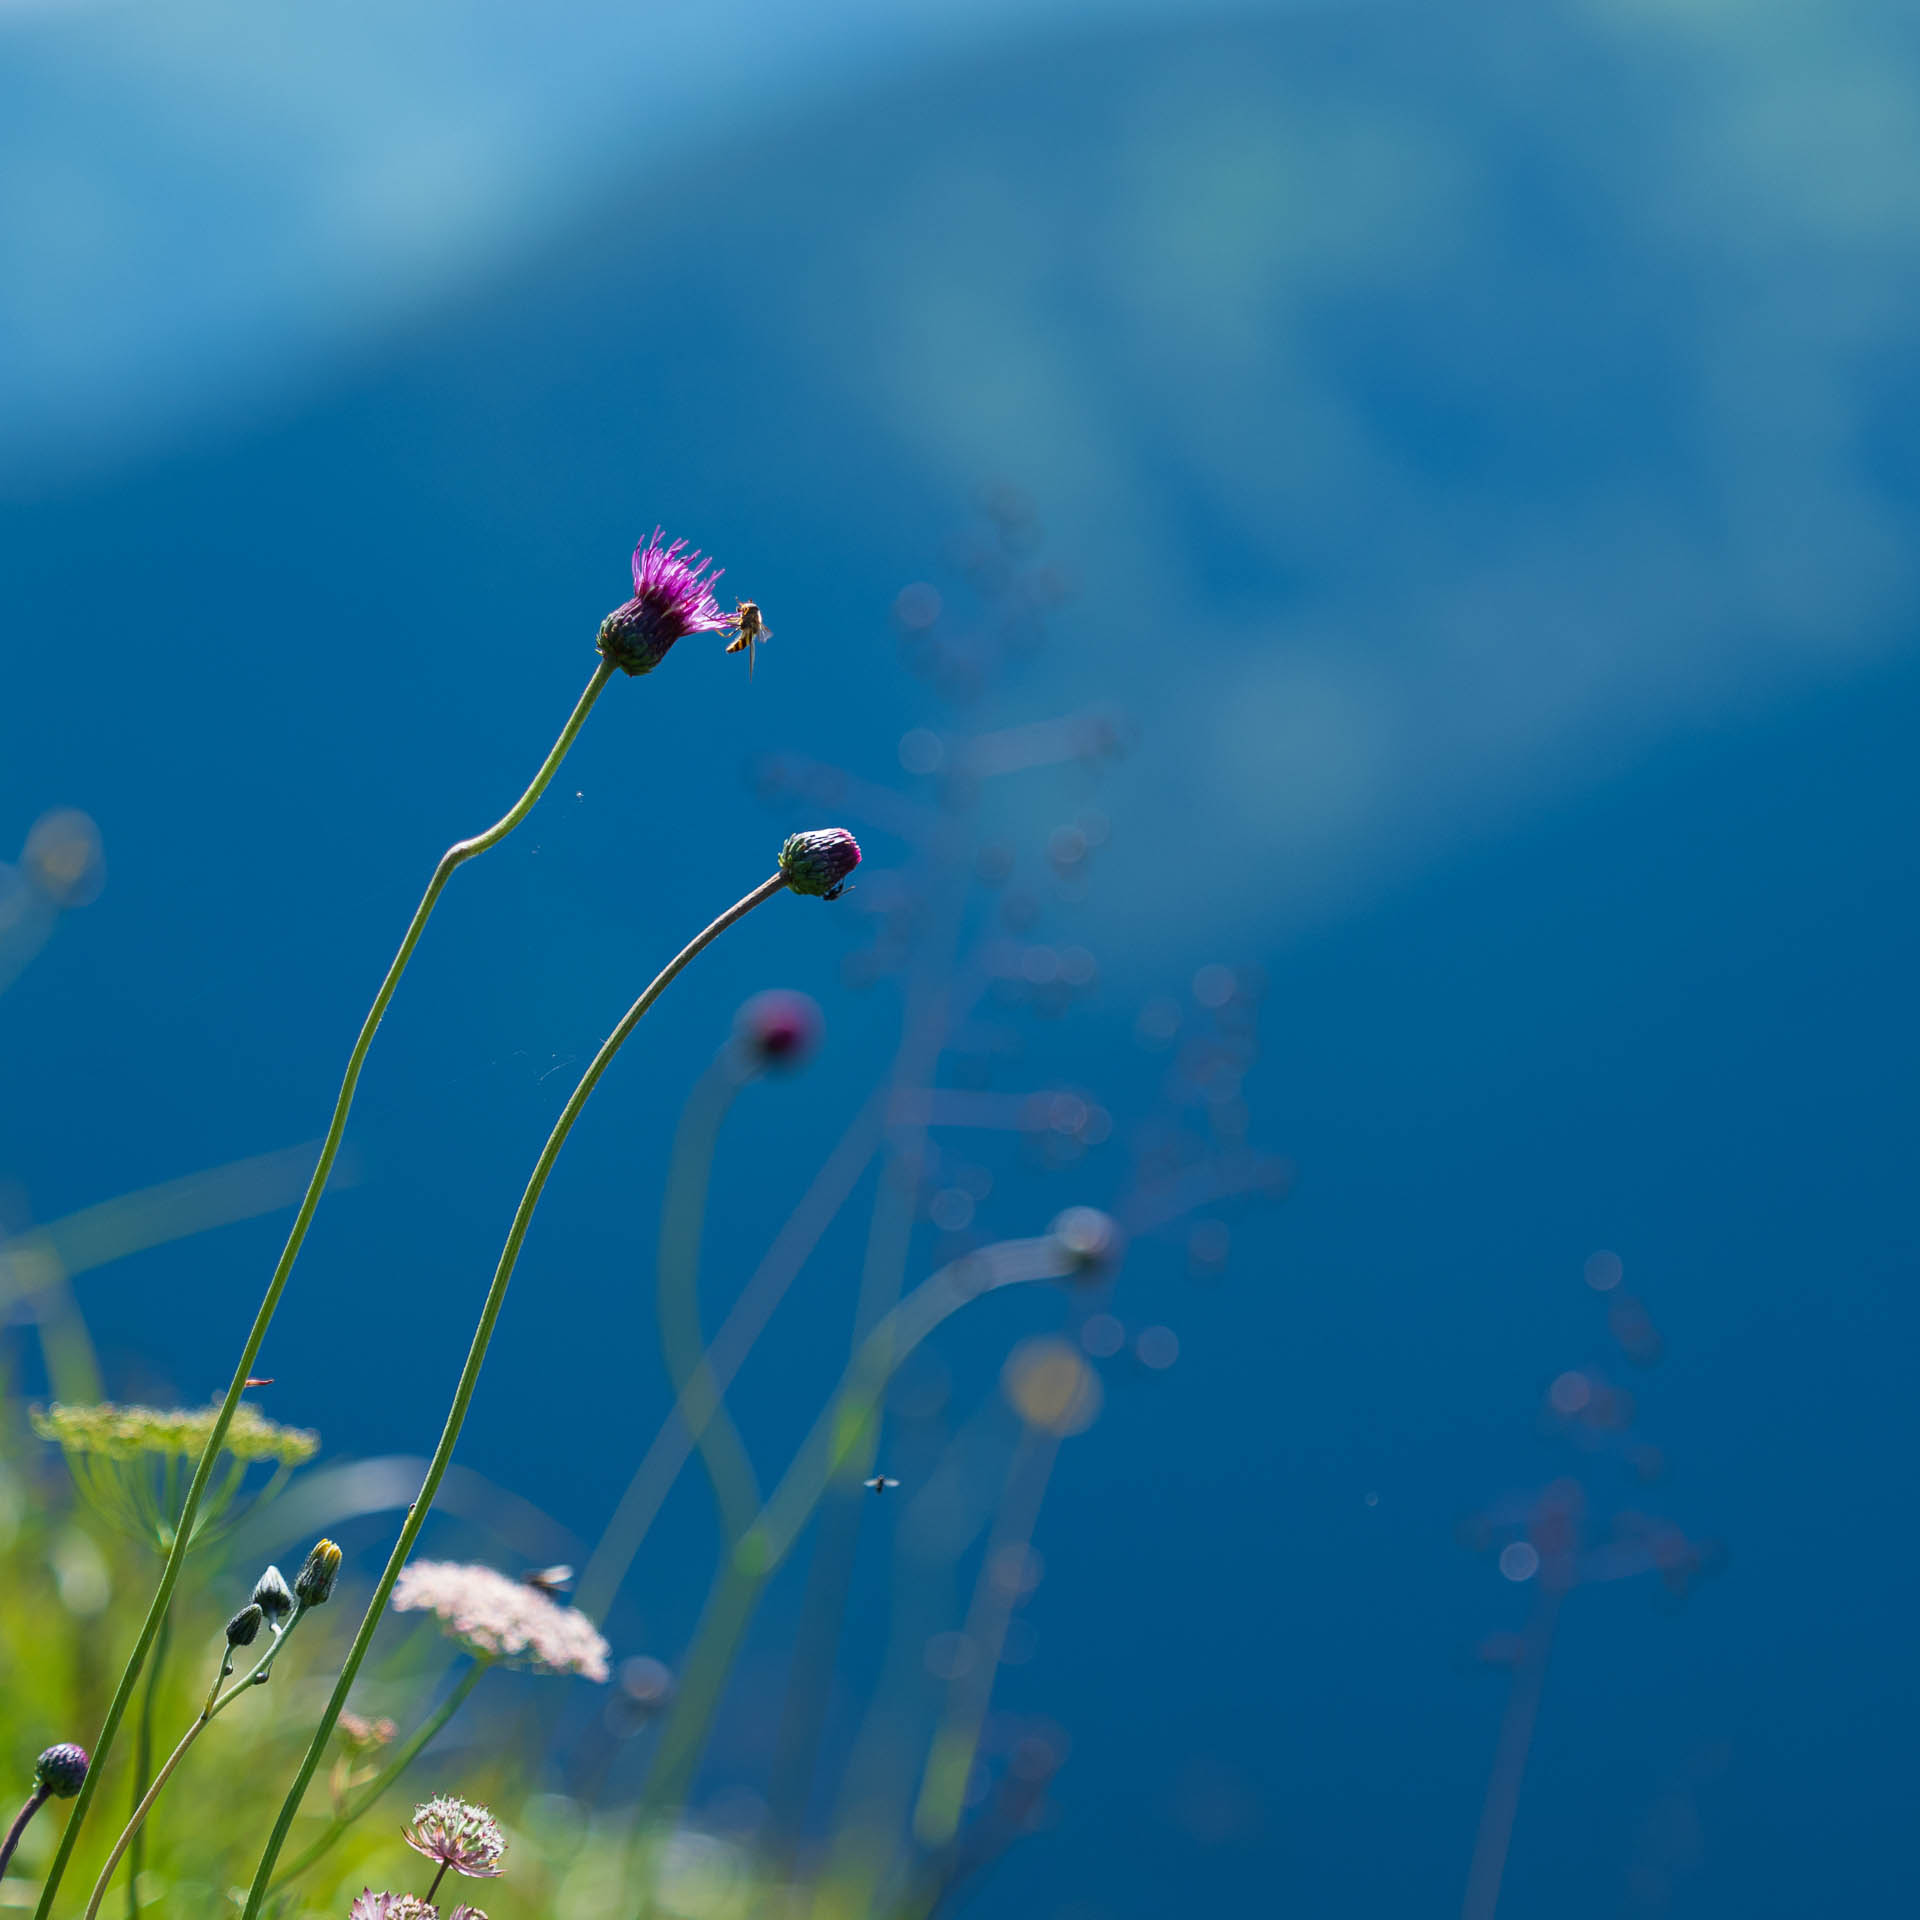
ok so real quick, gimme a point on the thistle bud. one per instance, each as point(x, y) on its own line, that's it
point(777, 1030)
point(316, 1578)
point(272, 1595)
point(62, 1770)
point(819, 862)
point(244, 1628)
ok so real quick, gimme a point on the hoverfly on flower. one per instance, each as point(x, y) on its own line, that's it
point(753, 630)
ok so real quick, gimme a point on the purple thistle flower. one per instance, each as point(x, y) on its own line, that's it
point(778, 1030)
point(672, 597)
point(390, 1906)
point(459, 1835)
point(819, 862)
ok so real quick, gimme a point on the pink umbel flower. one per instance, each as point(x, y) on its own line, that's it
point(672, 597)
point(457, 1834)
point(391, 1906)
point(497, 1618)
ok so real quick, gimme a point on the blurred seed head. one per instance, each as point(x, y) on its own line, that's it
point(1088, 1238)
point(1051, 1387)
point(63, 859)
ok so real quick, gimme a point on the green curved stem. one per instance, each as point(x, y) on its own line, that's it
point(653, 1479)
point(143, 1751)
point(456, 855)
point(403, 1757)
point(470, 1373)
point(736, 1491)
point(217, 1704)
point(837, 1435)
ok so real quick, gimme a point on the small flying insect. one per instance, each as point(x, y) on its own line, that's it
point(253, 1382)
point(753, 629)
point(549, 1580)
point(879, 1483)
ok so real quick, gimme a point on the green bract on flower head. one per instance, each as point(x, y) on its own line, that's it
point(819, 861)
point(121, 1433)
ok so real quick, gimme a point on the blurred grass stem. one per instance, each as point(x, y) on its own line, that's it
point(455, 856)
point(470, 1373)
point(403, 1757)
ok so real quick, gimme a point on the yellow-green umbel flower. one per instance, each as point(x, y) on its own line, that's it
point(126, 1460)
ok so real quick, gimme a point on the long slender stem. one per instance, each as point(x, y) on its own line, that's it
point(1502, 1803)
point(470, 1373)
point(214, 1708)
point(455, 856)
point(143, 1756)
point(35, 1801)
point(943, 1787)
point(673, 1445)
point(837, 1436)
point(403, 1757)
point(736, 1492)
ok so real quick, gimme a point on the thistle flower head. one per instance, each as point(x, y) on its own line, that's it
point(244, 1628)
point(314, 1582)
point(273, 1596)
point(496, 1618)
point(390, 1906)
point(672, 597)
point(61, 1770)
point(778, 1030)
point(818, 862)
point(122, 1433)
point(457, 1834)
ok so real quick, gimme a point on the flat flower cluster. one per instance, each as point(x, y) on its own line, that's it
point(122, 1433)
point(498, 1618)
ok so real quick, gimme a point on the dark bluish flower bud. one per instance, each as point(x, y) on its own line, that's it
point(672, 597)
point(316, 1578)
point(272, 1596)
point(244, 1628)
point(819, 862)
point(62, 1770)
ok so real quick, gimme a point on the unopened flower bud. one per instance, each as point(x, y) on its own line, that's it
point(272, 1595)
point(819, 862)
point(244, 1628)
point(778, 1030)
point(316, 1578)
point(61, 1770)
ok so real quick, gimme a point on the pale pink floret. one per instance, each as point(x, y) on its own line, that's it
point(457, 1834)
point(390, 1906)
point(498, 1618)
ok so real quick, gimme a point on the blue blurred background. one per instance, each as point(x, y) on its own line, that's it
point(1481, 444)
